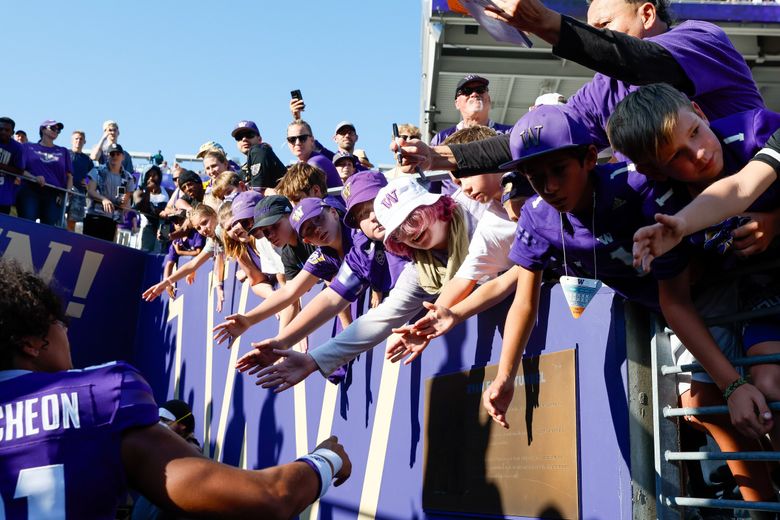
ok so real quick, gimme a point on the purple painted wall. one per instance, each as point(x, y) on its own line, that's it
point(257, 428)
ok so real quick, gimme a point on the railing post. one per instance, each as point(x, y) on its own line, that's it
point(665, 436)
point(640, 426)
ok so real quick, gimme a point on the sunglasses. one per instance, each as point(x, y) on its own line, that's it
point(245, 223)
point(112, 154)
point(467, 91)
point(407, 137)
point(244, 135)
point(302, 138)
point(54, 129)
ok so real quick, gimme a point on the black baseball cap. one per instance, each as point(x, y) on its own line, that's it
point(114, 147)
point(471, 78)
point(188, 176)
point(269, 210)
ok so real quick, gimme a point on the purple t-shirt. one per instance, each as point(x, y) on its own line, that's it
point(325, 262)
point(367, 264)
point(622, 201)
point(53, 163)
point(323, 163)
point(444, 134)
point(721, 79)
point(11, 153)
point(61, 437)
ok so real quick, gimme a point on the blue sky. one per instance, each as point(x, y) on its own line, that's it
point(175, 74)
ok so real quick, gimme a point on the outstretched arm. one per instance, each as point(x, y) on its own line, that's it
point(171, 474)
point(190, 267)
point(725, 198)
point(522, 318)
point(237, 324)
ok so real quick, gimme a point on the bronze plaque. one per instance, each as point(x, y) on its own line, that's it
point(473, 465)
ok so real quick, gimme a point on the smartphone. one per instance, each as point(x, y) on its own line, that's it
point(120, 191)
point(296, 94)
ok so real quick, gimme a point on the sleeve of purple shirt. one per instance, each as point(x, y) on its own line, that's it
point(529, 250)
point(322, 265)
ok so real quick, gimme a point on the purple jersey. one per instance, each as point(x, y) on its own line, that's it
point(12, 154)
point(620, 196)
point(721, 79)
point(366, 264)
point(53, 163)
point(323, 163)
point(60, 437)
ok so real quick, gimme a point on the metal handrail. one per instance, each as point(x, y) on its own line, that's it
point(714, 455)
point(721, 503)
point(745, 361)
point(669, 411)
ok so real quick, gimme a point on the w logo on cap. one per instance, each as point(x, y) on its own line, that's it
point(346, 191)
point(390, 199)
point(297, 214)
point(531, 137)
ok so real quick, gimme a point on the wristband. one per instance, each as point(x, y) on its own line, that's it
point(323, 470)
point(332, 457)
point(733, 386)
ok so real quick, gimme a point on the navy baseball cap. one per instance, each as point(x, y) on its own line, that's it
point(245, 125)
point(269, 210)
point(342, 155)
point(543, 130)
point(471, 78)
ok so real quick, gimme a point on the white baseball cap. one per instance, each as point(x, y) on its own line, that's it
point(398, 199)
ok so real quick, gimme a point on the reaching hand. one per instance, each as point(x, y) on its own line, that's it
point(293, 369)
point(496, 399)
point(155, 290)
point(402, 342)
point(190, 278)
point(414, 154)
point(260, 357)
point(650, 242)
point(749, 411)
point(333, 444)
point(296, 107)
point(376, 298)
point(233, 326)
point(438, 321)
point(755, 236)
point(220, 298)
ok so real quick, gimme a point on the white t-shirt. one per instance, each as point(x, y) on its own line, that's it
point(489, 247)
point(269, 258)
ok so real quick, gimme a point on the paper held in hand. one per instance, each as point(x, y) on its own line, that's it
point(501, 31)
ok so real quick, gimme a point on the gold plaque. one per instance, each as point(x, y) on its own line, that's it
point(473, 465)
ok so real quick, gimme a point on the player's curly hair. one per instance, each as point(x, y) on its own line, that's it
point(27, 307)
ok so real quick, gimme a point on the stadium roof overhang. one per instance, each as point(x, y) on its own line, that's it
point(454, 45)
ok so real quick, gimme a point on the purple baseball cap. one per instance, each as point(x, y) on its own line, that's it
point(307, 208)
point(359, 188)
point(52, 122)
point(244, 206)
point(545, 129)
point(245, 125)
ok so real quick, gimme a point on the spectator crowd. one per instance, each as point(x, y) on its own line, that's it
point(688, 194)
